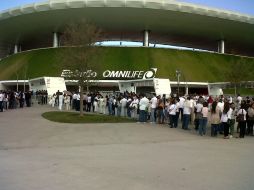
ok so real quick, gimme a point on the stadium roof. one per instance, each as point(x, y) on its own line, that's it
point(169, 22)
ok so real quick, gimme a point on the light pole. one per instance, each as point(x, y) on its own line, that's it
point(178, 74)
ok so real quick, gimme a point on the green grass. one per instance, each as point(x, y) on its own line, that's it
point(195, 66)
point(71, 117)
point(242, 91)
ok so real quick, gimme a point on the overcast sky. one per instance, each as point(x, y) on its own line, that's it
point(242, 6)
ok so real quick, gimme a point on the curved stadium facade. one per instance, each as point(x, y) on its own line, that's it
point(39, 25)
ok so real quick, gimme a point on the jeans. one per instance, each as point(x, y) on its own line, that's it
point(202, 126)
point(142, 116)
point(214, 129)
point(153, 115)
point(160, 116)
point(119, 108)
point(129, 112)
point(110, 112)
point(186, 120)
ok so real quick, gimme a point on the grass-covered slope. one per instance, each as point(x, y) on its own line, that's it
point(195, 66)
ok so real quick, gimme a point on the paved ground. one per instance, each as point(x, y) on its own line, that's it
point(36, 154)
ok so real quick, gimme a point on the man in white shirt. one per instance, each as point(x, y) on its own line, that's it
point(153, 108)
point(143, 105)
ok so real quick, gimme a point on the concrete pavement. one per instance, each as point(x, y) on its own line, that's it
point(43, 155)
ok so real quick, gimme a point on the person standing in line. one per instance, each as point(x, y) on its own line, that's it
point(160, 107)
point(221, 106)
point(1, 101)
point(128, 106)
point(134, 107)
point(118, 106)
point(74, 101)
point(186, 113)
point(214, 119)
point(153, 108)
point(89, 102)
point(203, 119)
point(60, 106)
point(78, 102)
point(110, 105)
point(172, 113)
point(143, 105)
point(57, 98)
point(231, 122)
point(192, 104)
point(198, 114)
point(123, 103)
point(250, 120)
point(242, 123)
point(6, 100)
point(181, 102)
point(67, 100)
point(224, 119)
point(95, 103)
point(177, 112)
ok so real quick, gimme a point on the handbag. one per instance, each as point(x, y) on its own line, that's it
point(240, 117)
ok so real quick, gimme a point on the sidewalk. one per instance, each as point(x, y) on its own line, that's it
point(39, 154)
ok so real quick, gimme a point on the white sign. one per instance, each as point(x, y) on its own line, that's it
point(115, 74)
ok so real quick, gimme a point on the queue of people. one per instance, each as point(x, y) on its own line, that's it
point(220, 113)
point(13, 100)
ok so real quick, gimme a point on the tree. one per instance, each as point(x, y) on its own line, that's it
point(238, 72)
point(80, 53)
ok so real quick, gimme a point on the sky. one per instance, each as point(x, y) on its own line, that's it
point(242, 6)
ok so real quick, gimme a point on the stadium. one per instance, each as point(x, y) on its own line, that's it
point(30, 34)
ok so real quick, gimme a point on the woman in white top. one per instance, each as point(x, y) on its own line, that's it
point(226, 114)
point(203, 119)
point(242, 124)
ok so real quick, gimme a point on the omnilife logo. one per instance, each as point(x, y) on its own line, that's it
point(130, 74)
point(111, 74)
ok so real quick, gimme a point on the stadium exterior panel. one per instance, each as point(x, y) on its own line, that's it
point(149, 21)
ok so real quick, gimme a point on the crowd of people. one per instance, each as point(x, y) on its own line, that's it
point(12, 100)
point(223, 114)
